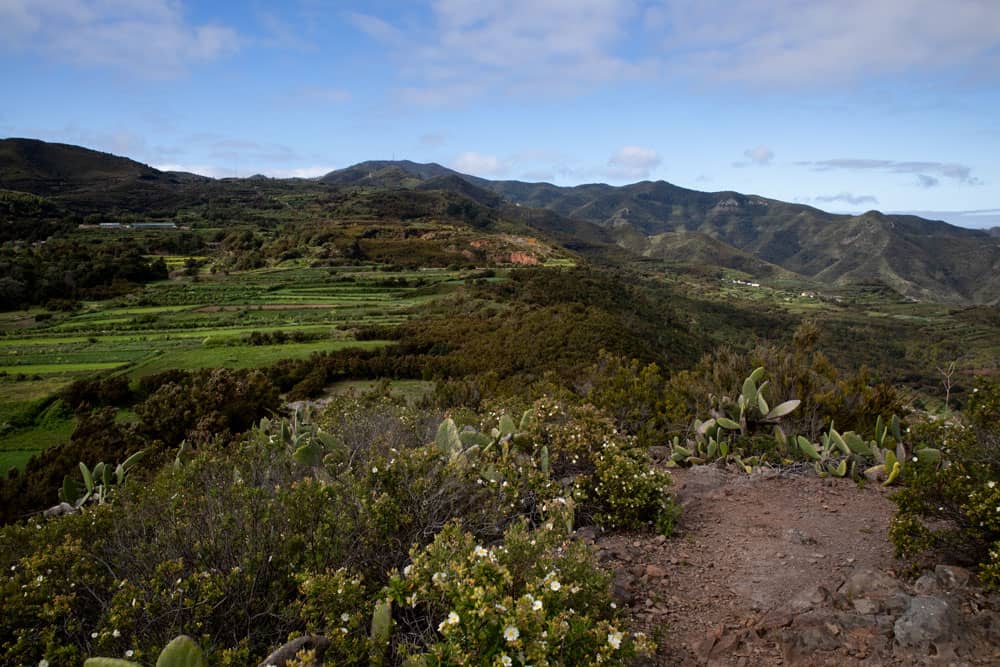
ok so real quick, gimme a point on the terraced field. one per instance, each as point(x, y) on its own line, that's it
point(190, 323)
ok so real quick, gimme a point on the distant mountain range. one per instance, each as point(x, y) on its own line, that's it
point(916, 257)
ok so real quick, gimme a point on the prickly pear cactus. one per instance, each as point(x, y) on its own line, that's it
point(182, 651)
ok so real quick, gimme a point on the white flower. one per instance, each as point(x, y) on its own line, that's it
point(990, 485)
point(412, 600)
point(480, 552)
point(511, 633)
point(40, 578)
point(453, 618)
point(505, 660)
point(129, 653)
point(116, 634)
point(343, 630)
point(345, 617)
point(43, 663)
point(536, 605)
point(374, 470)
point(93, 635)
point(438, 576)
point(555, 585)
point(407, 570)
point(615, 639)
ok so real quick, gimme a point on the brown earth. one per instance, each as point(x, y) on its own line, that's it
point(790, 569)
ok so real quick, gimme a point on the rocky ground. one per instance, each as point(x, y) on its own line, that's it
point(790, 569)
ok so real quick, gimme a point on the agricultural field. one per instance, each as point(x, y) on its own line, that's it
point(239, 320)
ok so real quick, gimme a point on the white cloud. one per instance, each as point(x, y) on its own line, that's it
point(479, 164)
point(300, 172)
point(778, 43)
point(760, 156)
point(504, 47)
point(848, 198)
point(632, 162)
point(462, 49)
point(959, 173)
point(215, 171)
point(200, 169)
point(149, 38)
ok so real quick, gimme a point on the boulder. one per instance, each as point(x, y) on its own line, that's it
point(926, 620)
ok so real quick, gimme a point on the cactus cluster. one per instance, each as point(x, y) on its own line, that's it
point(182, 651)
point(714, 438)
point(468, 445)
point(305, 441)
point(835, 455)
point(97, 482)
point(884, 458)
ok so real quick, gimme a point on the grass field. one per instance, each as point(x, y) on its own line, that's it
point(191, 324)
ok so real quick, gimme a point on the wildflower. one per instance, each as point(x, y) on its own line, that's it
point(43, 663)
point(453, 618)
point(345, 617)
point(343, 630)
point(480, 552)
point(990, 484)
point(505, 660)
point(374, 470)
point(555, 585)
point(407, 570)
point(615, 639)
point(438, 576)
point(129, 653)
point(536, 605)
point(93, 635)
point(511, 633)
point(116, 634)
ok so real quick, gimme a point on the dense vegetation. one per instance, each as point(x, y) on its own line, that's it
point(495, 377)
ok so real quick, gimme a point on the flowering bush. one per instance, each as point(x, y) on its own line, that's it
point(336, 604)
point(534, 599)
point(955, 510)
point(243, 546)
point(609, 475)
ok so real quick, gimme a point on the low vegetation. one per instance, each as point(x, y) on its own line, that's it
point(366, 419)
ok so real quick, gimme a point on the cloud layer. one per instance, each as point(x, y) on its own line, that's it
point(781, 43)
point(847, 198)
point(958, 173)
point(631, 162)
point(760, 156)
point(149, 38)
point(479, 164)
point(460, 49)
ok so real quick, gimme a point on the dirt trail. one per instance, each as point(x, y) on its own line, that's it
point(756, 576)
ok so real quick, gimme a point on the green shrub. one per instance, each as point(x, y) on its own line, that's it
point(605, 471)
point(243, 544)
point(534, 599)
point(954, 512)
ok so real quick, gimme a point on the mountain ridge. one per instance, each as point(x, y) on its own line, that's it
point(919, 258)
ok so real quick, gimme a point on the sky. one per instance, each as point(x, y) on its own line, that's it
point(847, 105)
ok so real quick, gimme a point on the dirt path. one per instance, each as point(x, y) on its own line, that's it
point(756, 576)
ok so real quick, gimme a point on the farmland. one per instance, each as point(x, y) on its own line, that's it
point(201, 321)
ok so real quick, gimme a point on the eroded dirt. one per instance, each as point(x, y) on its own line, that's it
point(791, 569)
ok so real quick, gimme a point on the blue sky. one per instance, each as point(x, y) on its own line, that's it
point(847, 105)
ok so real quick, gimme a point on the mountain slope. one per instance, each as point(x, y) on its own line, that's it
point(918, 258)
